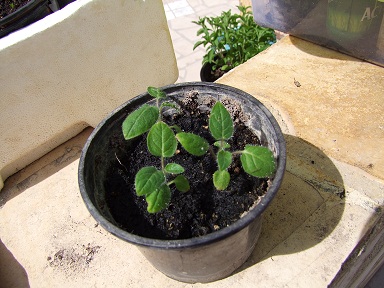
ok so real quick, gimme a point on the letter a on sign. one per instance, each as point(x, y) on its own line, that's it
point(367, 14)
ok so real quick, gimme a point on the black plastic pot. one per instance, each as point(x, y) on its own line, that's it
point(63, 3)
point(25, 15)
point(201, 259)
point(206, 73)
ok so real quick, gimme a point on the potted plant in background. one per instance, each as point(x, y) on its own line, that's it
point(16, 14)
point(230, 40)
point(171, 173)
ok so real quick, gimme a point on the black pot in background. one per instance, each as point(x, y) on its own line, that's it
point(207, 74)
point(25, 15)
point(201, 259)
point(63, 3)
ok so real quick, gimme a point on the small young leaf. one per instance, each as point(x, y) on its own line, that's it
point(159, 199)
point(176, 128)
point(220, 122)
point(222, 144)
point(258, 161)
point(147, 180)
point(224, 159)
point(156, 92)
point(161, 140)
point(174, 168)
point(140, 121)
point(193, 143)
point(168, 104)
point(181, 183)
point(221, 179)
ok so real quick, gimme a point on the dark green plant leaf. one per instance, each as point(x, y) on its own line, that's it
point(224, 159)
point(193, 143)
point(181, 183)
point(197, 44)
point(161, 140)
point(258, 161)
point(159, 199)
point(140, 121)
point(156, 92)
point(221, 179)
point(211, 55)
point(148, 180)
point(200, 31)
point(174, 168)
point(220, 122)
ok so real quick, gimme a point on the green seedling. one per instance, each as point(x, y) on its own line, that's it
point(257, 161)
point(162, 141)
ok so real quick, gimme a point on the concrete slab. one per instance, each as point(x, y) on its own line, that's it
point(343, 94)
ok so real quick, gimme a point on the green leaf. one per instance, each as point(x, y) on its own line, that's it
point(176, 128)
point(224, 159)
point(167, 104)
point(222, 144)
point(193, 143)
point(258, 161)
point(174, 168)
point(156, 92)
point(221, 179)
point(181, 183)
point(197, 44)
point(140, 121)
point(211, 54)
point(159, 199)
point(220, 122)
point(161, 140)
point(148, 180)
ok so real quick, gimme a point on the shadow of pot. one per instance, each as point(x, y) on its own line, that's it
point(24, 16)
point(201, 259)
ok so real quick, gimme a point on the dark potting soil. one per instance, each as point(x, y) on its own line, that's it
point(9, 6)
point(202, 209)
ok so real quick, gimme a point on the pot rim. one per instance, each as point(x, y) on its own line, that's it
point(196, 241)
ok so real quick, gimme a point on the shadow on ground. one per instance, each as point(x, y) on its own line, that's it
point(44, 167)
point(319, 51)
point(12, 274)
point(306, 209)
